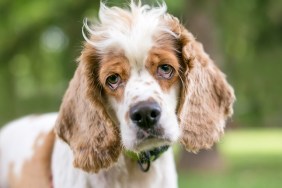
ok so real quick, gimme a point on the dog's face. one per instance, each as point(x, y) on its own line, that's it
point(142, 81)
point(143, 93)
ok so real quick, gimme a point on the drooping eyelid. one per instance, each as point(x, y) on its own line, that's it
point(110, 74)
point(114, 67)
point(117, 75)
point(169, 62)
point(104, 76)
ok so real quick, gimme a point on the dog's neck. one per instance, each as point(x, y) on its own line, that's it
point(145, 158)
point(124, 173)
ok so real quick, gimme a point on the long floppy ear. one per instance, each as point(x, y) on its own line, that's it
point(206, 98)
point(83, 121)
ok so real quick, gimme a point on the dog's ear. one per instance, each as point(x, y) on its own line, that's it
point(83, 121)
point(206, 98)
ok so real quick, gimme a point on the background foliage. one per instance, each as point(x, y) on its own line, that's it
point(40, 40)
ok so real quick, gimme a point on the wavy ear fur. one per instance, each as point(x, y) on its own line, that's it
point(83, 122)
point(206, 98)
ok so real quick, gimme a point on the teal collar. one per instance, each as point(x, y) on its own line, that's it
point(145, 158)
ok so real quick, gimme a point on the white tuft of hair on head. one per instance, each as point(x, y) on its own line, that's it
point(130, 29)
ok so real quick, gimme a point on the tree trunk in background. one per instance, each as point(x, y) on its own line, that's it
point(199, 19)
point(205, 160)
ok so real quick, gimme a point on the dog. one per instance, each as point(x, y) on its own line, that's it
point(142, 83)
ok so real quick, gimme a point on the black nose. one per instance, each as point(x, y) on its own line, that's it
point(145, 114)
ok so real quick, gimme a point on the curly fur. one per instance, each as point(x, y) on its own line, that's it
point(83, 121)
point(206, 97)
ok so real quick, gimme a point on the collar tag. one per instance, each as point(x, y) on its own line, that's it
point(145, 166)
point(145, 158)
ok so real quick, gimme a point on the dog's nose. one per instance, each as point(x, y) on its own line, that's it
point(145, 114)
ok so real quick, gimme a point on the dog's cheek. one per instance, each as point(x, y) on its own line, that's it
point(169, 101)
point(128, 136)
point(115, 107)
point(169, 120)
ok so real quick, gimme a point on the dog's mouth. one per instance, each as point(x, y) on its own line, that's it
point(143, 134)
point(151, 138)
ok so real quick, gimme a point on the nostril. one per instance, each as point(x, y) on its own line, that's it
point(155, 114)
point(136, 117)
point(145, 114)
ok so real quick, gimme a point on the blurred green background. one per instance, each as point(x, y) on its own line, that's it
point(40, 40)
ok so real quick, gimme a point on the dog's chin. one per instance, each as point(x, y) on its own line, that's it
point(149, 139)
point(151, 143)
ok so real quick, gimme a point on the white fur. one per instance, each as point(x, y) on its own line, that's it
point(134, 39)
point(162, 172)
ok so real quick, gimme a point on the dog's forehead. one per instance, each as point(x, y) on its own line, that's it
point(135, 31)
point(136, 41)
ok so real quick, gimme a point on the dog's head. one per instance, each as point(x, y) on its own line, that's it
point(142, 81)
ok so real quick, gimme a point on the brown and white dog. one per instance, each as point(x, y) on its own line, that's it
point(142, 83)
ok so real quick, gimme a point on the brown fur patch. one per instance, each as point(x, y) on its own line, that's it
point(36, 172)
point(157, 57)
point(114, 64)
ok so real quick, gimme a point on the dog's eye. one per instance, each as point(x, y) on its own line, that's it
point(165, 71)
point(113, 81)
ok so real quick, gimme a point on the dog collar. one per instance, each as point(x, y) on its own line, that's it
point(145, 158)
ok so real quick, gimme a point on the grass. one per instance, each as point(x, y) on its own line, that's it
point(253, 159)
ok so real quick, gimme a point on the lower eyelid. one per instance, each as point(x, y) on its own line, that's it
point(121, 83)
point(170, 75)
